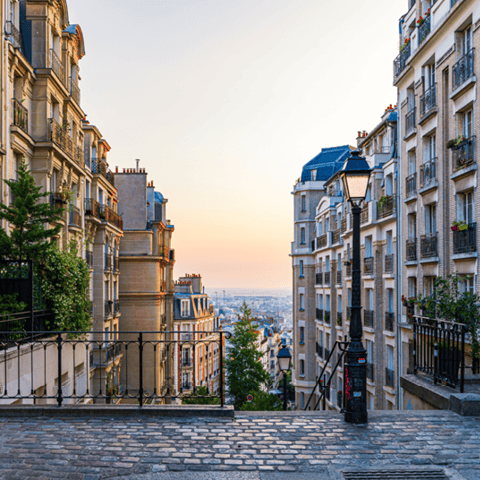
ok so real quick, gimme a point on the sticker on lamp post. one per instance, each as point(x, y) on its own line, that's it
point(357, 394)
point(249, 398)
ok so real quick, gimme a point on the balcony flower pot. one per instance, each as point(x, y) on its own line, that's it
point(463, 227)
point(454, 228)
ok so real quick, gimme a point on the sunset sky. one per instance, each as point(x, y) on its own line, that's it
point(224, 101)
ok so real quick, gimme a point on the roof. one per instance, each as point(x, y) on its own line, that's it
point(158, 197)
point(326, 163)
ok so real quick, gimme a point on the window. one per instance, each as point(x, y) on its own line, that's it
point(465, 207)
point(319, 301)
point(301, 268)
point(302, 335)
point(431, 218)
point(327, 303)
point(429, 148)
point(390, 300)
point(302, 400)
point(327, 264)
point(390, 358)
point(389, 185)
point(412, 162)
point(302, 236)
point(412, 287)
point(185, 308)
point(320, 338)
point(339, 304)
point(370, 298)
point(304, 202)
point(368, 247)
point(412, 225)
point(389, 242)
point(467, 284)
point(319, 228)
point(429, 76)
point(428, 285)
point(466, 41)
point(302, 302)
point(339, 262)
point(302, 368)
point(370, 357)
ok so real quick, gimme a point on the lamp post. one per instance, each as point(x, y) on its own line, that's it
point(355, 175)
point(284, 356)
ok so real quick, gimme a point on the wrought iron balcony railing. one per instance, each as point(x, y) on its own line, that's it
point(428, 101)
point(424, 29)
point(428, 245)
point(463, 69)
point(74, 90)
point(349, 269)
point(319, 350)
point(319, 314)
point(92, 207)
point(319, 278)
point(428, 172)
point(322, 241)
point(57, 66)
point(60, 136)
point(411, 185)
point(75, 217)
point(465, 241)
point(400, 62)
point(370, 370)
point(116, 307)
point(100, 356)
point(116, 263)
point(108, 308)
point(343, 225)
point(411, 249)
point(410, 121)
point(326, 316)
point(89, 258)
point(389, 321)
point(364, 214)
point(349, 313)
point(20, 115)
point(368, 318)
point(464, 154)
point(339, 319)
point(339, 277)
point(108, 261)
point(110, 216)
point(368, 264)
point(386, 208)
point(336, 236)
point(327, 278)
point(389, 378)
point(389, 263)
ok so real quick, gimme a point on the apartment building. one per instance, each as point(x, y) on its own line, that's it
point(197, 355)
point(307, 193)
point(269, 344)
point(435, 73)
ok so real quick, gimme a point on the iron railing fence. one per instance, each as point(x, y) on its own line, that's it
point(327, 278)
point(319, 314)
point(339, 277)
point(411, 249)
point(319, 278)
point(92, 207)
point(57, 66)
point(322, 241)
point(463, 154)
point(349, 313)
point(389, 378)
point(424, 29)
point(439, 350)
point(108, 261)
point(336, 236)
point(389, 263)
point(110, 216)
point(326, 316)
point(20, 115)
point(89, 258)
point(386, 209)
point(465, 241)
point(74, 90)
point(368, 265)
point(349, 269)
point(116, 263)
point(400, 62)
point(343, 225)
point(339, 319)
point(389, 321)
point(428, 245)
point(410, 121)
point(368, 318)
point(428, 172)
point(319, 350)
point(24, 327)
point(428, 101)
point(411, 185)
point(370, 371)
point(116, 307)
point(58, 367)
point(463, 69)
point(60, 136)
point(364, 214)
point(108, 312)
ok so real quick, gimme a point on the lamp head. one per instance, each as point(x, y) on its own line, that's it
point(355, 175)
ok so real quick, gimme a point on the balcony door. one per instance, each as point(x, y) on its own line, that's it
point(412, 226)
point(431, 218)
point(467, 40)
point(465, 207)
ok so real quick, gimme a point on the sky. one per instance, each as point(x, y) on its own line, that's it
point(224, 101)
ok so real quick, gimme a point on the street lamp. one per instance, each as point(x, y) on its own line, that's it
point(284, 356)
point(355, 175)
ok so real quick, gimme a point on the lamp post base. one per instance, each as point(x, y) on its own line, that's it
point(356, 384)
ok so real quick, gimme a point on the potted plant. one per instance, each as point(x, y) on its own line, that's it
point(459, 226)
point(405, 44)
point(420, 21)
point(382, 202)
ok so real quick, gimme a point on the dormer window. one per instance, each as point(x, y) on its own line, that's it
point(185, 308)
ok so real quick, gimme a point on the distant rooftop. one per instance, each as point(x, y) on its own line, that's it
point(326, 163)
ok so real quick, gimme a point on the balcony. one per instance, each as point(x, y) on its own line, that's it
point(339, 277)
point(463, 70)
point(368, 318)
point(339, 319)
point(343, 225)
point(20, 115)
point(14, 33)
point(349, 313)
point(99, 166)
point(103, 356)
point(428, 101)
point(186, 386)
point(319, 350)
point(116, 307)
point(75, 217)
point(326, 353)
point(336, 236)
point(327, 278)
point(108, 308)
point(89, 258)
point(186, 362)
point(400, 62)
point(411, 249)
point(57, 66)
point(411, 185)
point(322, 241)
point(389, 321)
point(389, 378)
point(60, 136)
point(465, 241)
point(389, 263)
point(319, 278)
point(368, 264)
point(385, 206)
point(108, 261)
point(74, 90)
point(364, 214)
point(326, 316)
point(349, 269)
point(463, 154)
point(116, 263)
point(110, 216)
point(428, 245)
point(428, 173)
point(370, 370)
point(410, 121)
point(92, 207)
point(424, 29)
point(319, 314)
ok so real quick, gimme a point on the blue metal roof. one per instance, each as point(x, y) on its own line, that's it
point(158, 197)
point(326, 163)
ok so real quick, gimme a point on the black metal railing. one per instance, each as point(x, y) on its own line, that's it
point(326, 316)
point(389, 263)
point(428, 172)
point(89, 258)
point(20, 115)
point(75, 217)
point(465, 241)
point(428, 101)
point(139, 370)
point(110, 216)
point(116, 307)
point(410, 121)
point(349, 269)
point(368, 318)
point(327, 352)
point(116, 263)
point(99, 166)
point(368, 265)
point(108, 312)
point(349, 313)
point(389, 321)
point(57, 66)
point(389, 378)
point(319, 278)
point(186, 362)
point(386, 207)
point(463, 154)
point(319, 314)
point(327, 278)
point(463, 69)
point(400, 62)
point(428, 245)
point(23, 327)
point(92, 207)
point(411, 249)
point(439, 350)
point(60, 136)
point(364, 214)
point(343, 225)
point(322, 241)
point(74, 90)
point(336, 236)
point(339, 319)
point(411, 185)
point(424, 29)
point(339, 277)
point(370, 370)
point(108, 261)
point(318, 350)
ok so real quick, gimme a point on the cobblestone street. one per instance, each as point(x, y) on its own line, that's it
point(265, 445)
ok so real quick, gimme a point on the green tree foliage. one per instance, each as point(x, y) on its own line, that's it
point(245, 372)
point(262, 401)
point(193, 399)
point(29, 238)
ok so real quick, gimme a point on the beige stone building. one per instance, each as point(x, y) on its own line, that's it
point(435, 73)
point(197, 355)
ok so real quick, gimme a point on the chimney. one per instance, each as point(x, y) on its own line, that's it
point(138, 162)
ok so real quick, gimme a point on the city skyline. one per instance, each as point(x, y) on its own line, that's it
point(226, 103)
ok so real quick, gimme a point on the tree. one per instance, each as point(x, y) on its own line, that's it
point(245, 372)
point(262, 401)
point(29, 238)
point(195, 398)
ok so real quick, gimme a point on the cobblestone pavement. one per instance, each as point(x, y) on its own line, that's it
point(254, 445)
